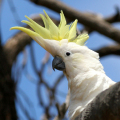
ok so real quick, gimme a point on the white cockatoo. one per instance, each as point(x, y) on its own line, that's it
point(84, 72)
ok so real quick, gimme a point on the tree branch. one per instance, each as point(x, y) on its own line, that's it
point(112, 19)
point(94, 23)
point(108, 50)
point(17, 43)
point(63, 108)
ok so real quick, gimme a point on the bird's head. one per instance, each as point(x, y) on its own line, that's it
point(60, 41)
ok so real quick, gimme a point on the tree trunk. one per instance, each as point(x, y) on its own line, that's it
point(7, 90)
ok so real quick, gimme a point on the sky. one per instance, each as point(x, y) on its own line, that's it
point(111, 63)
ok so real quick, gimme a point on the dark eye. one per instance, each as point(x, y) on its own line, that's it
point(68, 53)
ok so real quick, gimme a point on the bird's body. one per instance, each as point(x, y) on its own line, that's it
point(84, 72)
point(85, 75)
point(85, 85)
point(86, 91)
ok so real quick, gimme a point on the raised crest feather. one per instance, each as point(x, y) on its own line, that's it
point(53, 32)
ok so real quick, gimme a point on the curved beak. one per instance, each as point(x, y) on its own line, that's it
point(58, 63)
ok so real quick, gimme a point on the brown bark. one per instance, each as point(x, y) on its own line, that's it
point(17, 43)
point(8, 54)
point(108, 50)
point(94, 23)
point(7, 90)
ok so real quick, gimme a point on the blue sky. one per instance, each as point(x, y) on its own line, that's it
point(23, 7)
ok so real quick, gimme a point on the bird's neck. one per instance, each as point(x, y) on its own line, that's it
point(81, 84)
point(84, 87)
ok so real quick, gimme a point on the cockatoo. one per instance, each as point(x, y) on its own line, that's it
point(84, 72)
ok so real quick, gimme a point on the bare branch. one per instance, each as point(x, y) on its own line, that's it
point(58, 80)
point(94, 23)
point(104, 51)
point(63, 108)
point(33, 59)
point(23, 109)
point(112, 19)
point(14, 11)
point(17, 43)
point(27, 100)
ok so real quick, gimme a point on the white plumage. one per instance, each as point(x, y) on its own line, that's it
point(84, 72)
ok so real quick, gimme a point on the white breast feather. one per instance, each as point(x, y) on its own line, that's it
point(86, 80)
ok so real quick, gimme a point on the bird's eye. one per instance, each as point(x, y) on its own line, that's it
point(68, 53)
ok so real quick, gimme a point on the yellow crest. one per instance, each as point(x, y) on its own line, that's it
point(52, 32)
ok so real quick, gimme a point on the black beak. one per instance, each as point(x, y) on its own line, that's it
point(58, 63)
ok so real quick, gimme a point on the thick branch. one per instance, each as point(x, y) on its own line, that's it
point(114, 18)
point(94, 23)
point(109, 50)
point(111, 19)
point(20, 40)
point(17, 43)
point(7, 90)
